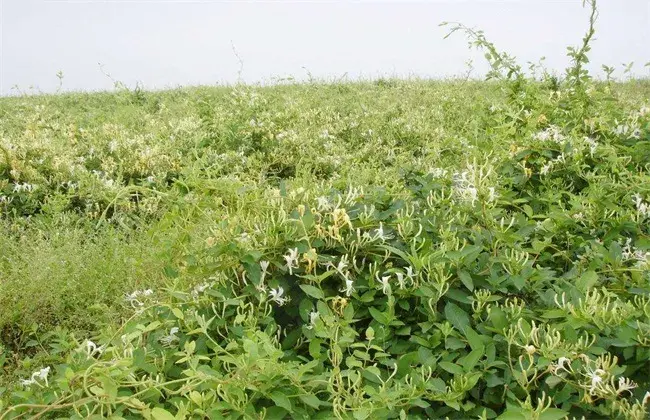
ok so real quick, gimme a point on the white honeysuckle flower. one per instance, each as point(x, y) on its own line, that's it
point(437, 172)
point(409, 273)
point(492, 196)
point(43, 373)
point(264, 265)
point(593, 145)
point(276, 296)
point(326, 135)
point(380, 234)
point(92, 348)
point(133, 298)
point(342, 265)
point(39, 374)
point(171, 337)
point(349, 287)
point(292, 259)
point(112, 146)
point(629, 253)
point(471, 194)
point(200, 288)
point(545, 169)
point(313, 316)
point(642, 208)
point(23, 187)
point(26, 382)
point(323, 203)
point(530, 349)
point(400, 280)
point(562, 364)
point(552, 133)
point(385, 286)
point(596, 379)
point(625, 384)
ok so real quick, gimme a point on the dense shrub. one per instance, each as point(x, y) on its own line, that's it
point(372, 260)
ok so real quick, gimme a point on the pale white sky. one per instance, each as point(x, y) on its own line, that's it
point(166, 43)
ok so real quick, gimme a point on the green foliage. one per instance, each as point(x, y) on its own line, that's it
point(391, 250)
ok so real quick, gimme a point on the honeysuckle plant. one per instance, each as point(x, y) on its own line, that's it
point(510, 281)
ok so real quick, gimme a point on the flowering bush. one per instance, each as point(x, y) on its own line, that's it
point(367, 264)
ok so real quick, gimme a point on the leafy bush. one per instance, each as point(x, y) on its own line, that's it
point(385, 268)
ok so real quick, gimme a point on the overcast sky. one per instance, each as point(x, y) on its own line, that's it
point(166, 43)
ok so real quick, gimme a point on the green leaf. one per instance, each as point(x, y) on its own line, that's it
point(498, 318)
point(312, 291)
point(254, 272)
point(161, 414)
point(554, 313)
point(587, 281)
point(511, 414)
point(310, 400)
point(281, 400)
point(474, 339)
point(110, 387)
point(553, 381)
point(553, 414)
point(518, 281)
point(178, 313)
point(152, 326)
point(472, 359)
point(361, 413)
point(465, 277)
point(453, 343)
point(451, 368)
point(379, 316)
point(314, 348)
point(528, 210)
point(457, 316)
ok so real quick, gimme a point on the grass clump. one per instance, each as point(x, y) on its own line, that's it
point(403, 249)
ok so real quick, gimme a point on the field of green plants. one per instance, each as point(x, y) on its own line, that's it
point(388, 249)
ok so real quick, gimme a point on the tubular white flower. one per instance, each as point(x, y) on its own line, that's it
point(171, 337)
point(313, 316)
point(562, 364)
point(596, 379)
point(27, 382)
point(380, 234)
point(92, 348)
point(410, 274)
point(341, 266)
point(385, 286)
point(625, 384)
point(492, 196)
point(400, 280)
point(133, 298)
point(276, 296)
point(349, 287)
point(292, 259)
point(38, 375)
